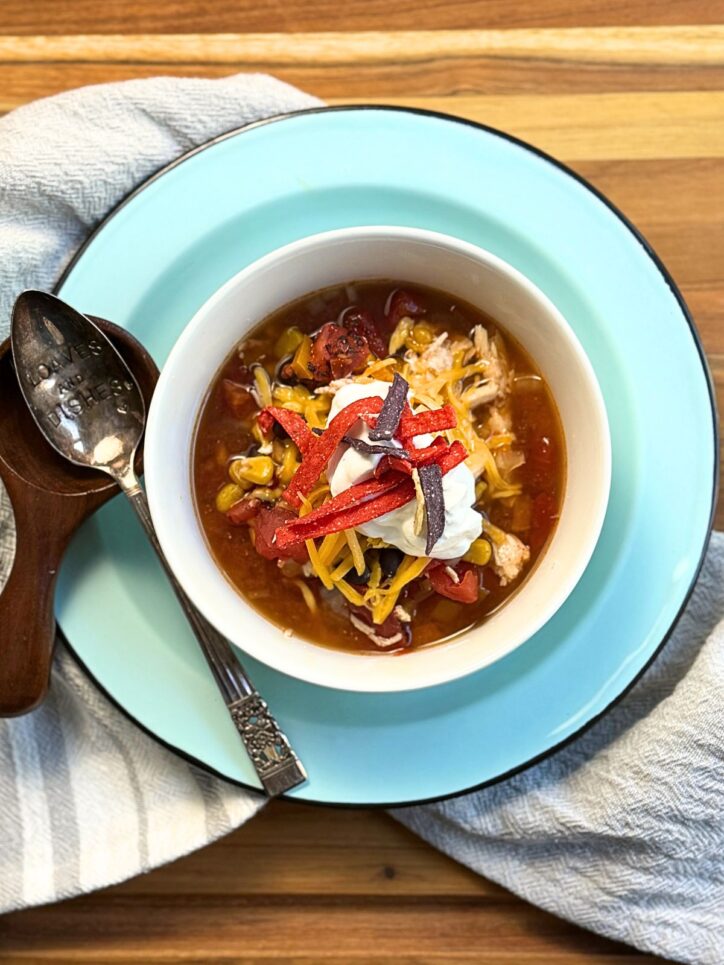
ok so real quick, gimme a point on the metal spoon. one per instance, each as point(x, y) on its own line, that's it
point(88, 406)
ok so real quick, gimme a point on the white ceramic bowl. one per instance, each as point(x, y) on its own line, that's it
point(405, 255)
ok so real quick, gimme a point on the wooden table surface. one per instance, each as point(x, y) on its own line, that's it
point(631, 94)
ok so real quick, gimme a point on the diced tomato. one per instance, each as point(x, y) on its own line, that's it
point(237, 398)
point(360, 322)
point(403, 304)
point(465, 591)
point(265, 526)
point(337, 353)
point(244, 510)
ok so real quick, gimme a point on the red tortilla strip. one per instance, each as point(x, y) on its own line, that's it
point(435, 420)
point(298, 430)
point(310, 527)
point(348, 510)
point(318, 454)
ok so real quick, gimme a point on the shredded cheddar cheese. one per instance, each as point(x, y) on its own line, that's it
point(344, 567)
point(356, 550)
point(355, 598)
point(410, 569)
point(375, 575)
point(320, 570)
point(307, 594)
point(379, 364)
point(330, 547)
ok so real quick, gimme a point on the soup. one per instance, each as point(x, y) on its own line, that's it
point(378, 466)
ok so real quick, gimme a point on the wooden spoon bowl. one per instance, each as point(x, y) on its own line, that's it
point(50, 498)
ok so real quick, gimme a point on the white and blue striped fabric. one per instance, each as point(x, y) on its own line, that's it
point(621, 832)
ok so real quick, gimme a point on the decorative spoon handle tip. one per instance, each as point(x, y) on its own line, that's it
point(278, 767)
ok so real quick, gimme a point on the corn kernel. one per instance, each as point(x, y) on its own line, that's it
point(400, 334)
point(423, 333)
point(479, 553)
point(283, 393)
point(227, 496)
point(289, 465)
point(263, 385)
point(288, 342)
point(263, 439)
point(265, 494)
point(258, 470)
point(236, 474)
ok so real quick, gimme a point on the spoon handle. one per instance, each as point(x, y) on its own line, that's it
point(277, 766)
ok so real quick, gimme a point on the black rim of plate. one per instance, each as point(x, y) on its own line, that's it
point(668, 280)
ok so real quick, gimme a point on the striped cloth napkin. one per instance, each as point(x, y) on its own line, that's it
point(621, 832)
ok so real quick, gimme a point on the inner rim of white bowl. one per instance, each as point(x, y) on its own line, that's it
point(340, 256)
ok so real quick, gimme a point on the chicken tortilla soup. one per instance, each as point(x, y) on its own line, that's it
point(378, 466)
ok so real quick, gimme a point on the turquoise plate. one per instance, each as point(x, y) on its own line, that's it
point(181, 235)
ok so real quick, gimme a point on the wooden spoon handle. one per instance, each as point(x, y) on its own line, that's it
point(27, 622)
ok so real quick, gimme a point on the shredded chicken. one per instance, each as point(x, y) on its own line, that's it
point(481, 393)
point(508, 459)
point(481, 341)
point(494, 384)
point(497, 369)
point(452, 574)
point(436, 358)
point(335, 385)
point(498, 422)
point(460, 343)
point(509, 557)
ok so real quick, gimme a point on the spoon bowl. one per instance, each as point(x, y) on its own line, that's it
point(79, 390)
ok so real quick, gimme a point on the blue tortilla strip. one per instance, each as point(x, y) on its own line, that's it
point(431, 484)
point(389, 418)
point(375, 449)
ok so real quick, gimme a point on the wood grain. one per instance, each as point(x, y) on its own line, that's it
point(631, 94)
point(191, 16)
point(681, 46)
point(306, 885)
point(443, 63)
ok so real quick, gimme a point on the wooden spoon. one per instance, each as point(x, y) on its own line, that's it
point(50, 497)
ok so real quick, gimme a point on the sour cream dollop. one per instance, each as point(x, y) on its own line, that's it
point(348, 466)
